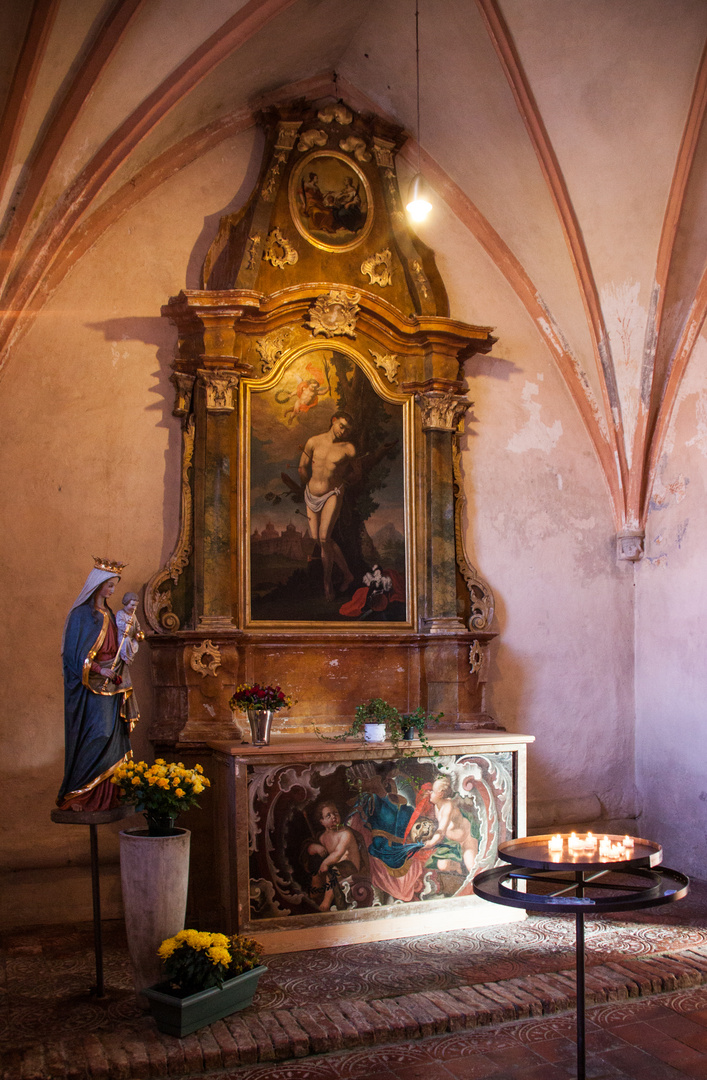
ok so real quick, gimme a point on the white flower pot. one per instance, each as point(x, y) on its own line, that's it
point(374, 732)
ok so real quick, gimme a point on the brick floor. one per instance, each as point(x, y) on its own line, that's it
point(648, 1022)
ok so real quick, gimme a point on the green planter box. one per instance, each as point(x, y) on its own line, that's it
point(181, 1015)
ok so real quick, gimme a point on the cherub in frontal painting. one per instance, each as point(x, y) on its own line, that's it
point(341, 856)
point(453, 836)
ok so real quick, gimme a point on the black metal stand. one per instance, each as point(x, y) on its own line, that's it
point(580, 883)
point(93, 819)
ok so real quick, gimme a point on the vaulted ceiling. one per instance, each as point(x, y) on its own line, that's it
point(568, 138)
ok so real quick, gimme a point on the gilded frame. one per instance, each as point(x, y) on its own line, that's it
point(296, 210)
point(256, 385)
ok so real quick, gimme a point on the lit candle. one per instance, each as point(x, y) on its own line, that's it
point(628, 842)
point(555, 843)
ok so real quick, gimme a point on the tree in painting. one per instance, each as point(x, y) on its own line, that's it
point(327, 510)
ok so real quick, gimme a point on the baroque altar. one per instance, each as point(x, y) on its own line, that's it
point(320, 384)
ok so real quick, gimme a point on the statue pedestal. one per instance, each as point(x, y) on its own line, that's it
point(93, 819)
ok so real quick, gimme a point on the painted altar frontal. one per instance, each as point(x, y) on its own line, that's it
point(326, 834)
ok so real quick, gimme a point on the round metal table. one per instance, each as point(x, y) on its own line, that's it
point(581, 883)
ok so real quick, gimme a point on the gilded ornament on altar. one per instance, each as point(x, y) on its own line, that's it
point(270, 349)
point(441, 410)
point(313, 137)
point(270, 185)
point(420, 278)
point(389, 363)
point(338, 113)
point(334, 314)
point(287, 134)
point(330, 200)
point(379, 268)
point(253, 242)
point(476, 657)
point(357, 147)
point(205, 658)
point(279, 251)
point(393, 190)
point(220, 390)
point(184, 385)
point(383, 153)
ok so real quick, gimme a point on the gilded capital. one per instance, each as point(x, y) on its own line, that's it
point(220, 388)
point(441, 410)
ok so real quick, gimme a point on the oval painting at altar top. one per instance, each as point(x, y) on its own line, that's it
point(330, 201)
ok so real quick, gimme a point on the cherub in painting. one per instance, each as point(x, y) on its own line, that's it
point(453, 836)
point(305, 395)
point(341, 856)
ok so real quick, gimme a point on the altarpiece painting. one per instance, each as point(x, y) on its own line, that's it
point(363, 495)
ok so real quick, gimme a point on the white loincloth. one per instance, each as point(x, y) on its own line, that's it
point(316, 503)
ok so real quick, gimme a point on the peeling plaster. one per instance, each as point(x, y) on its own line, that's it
point(700, 439)
point(561, 345)
point(625, 323)
point(664, 495)
point(535, 435)
point(694, 382)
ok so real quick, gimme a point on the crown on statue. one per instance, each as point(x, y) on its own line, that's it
point(109, 564)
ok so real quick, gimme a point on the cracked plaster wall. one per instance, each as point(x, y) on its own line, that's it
point(671, 601)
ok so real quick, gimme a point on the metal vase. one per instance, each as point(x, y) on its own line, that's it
point(260, 721)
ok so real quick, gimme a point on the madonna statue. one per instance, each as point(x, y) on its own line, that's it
point(100, 710)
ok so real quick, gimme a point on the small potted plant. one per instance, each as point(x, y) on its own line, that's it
point(207, 976)
point(259, 703)
point(377, 719)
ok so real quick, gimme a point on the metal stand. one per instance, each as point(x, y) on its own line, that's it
point(578, 884)
point(92, 819)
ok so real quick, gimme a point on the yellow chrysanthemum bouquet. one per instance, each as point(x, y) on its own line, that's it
point(195, 960)
point(161, 791)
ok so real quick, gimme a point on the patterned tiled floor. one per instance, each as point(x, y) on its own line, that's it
point(51, 1028)
point(663, 1038)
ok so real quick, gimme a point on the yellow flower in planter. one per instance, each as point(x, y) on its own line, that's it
point(196, 960)
point(161, 791)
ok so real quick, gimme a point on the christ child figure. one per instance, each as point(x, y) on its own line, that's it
point(338, 846)
point(126, 619)
point(453, 828)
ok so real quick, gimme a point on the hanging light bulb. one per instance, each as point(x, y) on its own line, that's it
point(418, 205)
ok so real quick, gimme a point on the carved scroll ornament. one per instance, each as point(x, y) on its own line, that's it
point(158, 591)
point(270, 349)
point(313, 137)
point(334, 314)
point(338, 113)
point(389, 363)
point(355, 146)
point(279, 251)
point(379, 268)
point(205, 658)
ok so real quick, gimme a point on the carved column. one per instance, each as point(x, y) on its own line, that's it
point(442, 407)
point(216, 391)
